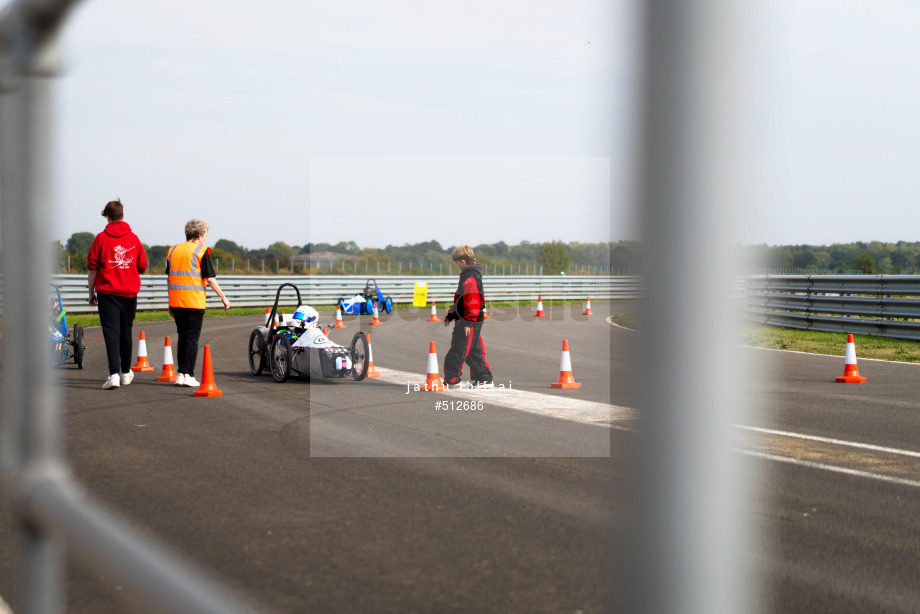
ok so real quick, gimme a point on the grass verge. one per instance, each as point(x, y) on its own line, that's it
point(92, 319)
point(813, 342)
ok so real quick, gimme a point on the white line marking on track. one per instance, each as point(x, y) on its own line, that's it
point(4, 608)
point(831, 468)
point(839, 442)
point(554, 406)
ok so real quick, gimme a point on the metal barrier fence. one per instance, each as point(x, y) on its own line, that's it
point(325, 290)
point(880, 305)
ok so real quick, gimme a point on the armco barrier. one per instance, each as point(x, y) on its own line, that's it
point(880, 305)
point(324, 290)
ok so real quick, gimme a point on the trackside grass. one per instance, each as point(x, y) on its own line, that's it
point(87, 320)
point(814, 342)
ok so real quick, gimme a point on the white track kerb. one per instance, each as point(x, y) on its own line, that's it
point(550, 405)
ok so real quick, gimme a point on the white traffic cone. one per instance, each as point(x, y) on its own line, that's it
point(371, 371)
point(850, 371)
point(169, 371)
point(539, 313)
point(375, 320)
point(433, 381)
point(566, 380)
point(142, 363)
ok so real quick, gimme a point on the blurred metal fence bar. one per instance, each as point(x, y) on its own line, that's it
point(879, 305)
point(687, 553)
point(50, 508)
point(325, 290)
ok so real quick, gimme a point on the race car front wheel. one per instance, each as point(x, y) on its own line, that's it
point(360, 356)
point(388, 304)
point(280, 360)
point(256, 352)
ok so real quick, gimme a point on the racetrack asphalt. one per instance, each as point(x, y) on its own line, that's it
point(345, 496)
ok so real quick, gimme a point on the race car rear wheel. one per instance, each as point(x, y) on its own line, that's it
point(256, 352)
point(369, 307)
point(341, 305)
point(78, 346)
point(281, 357)
point(360, 356)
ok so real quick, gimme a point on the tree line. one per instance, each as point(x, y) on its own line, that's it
point(554, 257)
point(872, 258)
point(548, 258)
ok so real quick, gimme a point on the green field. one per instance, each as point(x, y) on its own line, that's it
point(814, 342)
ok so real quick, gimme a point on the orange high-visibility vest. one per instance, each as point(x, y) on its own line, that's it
point(186, 287)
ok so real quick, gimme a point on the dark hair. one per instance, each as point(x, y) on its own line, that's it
point(114, 210)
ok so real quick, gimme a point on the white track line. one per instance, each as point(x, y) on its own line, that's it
point(838, 442)
point(831, 468)
point(4, 608)
point(554, 406)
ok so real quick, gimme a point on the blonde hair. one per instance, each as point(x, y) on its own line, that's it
point(464, 252)
point(195, 228)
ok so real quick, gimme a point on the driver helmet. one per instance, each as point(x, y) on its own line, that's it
point(306, 316)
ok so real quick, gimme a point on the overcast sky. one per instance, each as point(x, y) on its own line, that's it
point(465, 122)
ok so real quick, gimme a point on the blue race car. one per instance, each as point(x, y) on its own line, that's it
point(65, 343)
point(364, 303)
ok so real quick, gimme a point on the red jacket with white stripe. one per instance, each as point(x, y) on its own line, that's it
point(469, 298)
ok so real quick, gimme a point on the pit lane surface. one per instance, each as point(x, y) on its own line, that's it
point(271, 486)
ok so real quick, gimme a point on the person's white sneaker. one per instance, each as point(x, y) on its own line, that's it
point(180, 379)
point(191, 382)
point(112, 382)
point(127, 378)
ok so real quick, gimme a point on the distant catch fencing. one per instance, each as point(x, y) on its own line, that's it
point(323, 291)
point(879, 305)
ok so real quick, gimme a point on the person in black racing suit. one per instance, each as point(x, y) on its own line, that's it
point(466, 345)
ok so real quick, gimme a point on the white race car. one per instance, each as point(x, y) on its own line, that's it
point(298, 345)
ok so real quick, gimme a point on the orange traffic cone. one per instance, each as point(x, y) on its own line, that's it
point(142, 363)
point(207, 389)
point(338, 319)
point(850, 372)
point(588, 311)
point(539, 313)
point(325, 332)
point(371, 371)
point(268, 314)
point(375, 320)
point(169, 371)
point(433, 381)
point(434, 314)
point(485, 313)
point(566, 380)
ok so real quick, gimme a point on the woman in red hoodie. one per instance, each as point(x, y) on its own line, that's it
point(115, 261)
